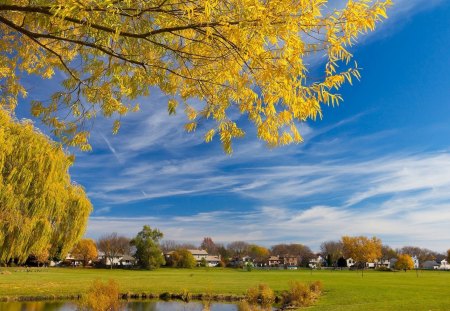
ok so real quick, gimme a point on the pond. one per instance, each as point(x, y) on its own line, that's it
point(131, 306)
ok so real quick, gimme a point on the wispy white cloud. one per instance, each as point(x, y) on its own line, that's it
point(402, 198)
point(426, 226)
point(111, 148)
point(309, 193)
point(103, 210)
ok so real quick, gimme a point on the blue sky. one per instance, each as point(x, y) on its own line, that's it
point(377, 165)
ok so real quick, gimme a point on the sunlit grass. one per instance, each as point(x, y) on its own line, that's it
point(343, 290)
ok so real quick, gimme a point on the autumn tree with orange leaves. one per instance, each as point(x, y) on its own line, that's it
point(86, 249)
point(362, 249)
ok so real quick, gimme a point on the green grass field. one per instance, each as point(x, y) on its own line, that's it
point(344, 290)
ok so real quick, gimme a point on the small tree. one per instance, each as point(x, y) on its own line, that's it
point(86, 250)
point(42, 256)
point(182, 258)
point(238, 248)
point(332, 250)
point(113, 245)
point(361, 249)
point(223, 253)
point(100, 297)
point(203, 262)
point(209, 245)
point(404, 262)
point(341, 262)
point(448, 255)
point(387, 252)
point(148, 252)
point(258, 253)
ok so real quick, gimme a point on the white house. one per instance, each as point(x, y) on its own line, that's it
point(416, 262)
point(212, 261)
point(444, 265)
point(73, 260)
point(316, 262)
point(350, 262)
point(201, 254)
point(198, 254)
point(119, 260)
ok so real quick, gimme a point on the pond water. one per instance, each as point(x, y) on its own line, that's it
point(131, 306)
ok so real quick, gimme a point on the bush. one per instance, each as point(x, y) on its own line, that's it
point(266, 294)
point(382, 268)
point(165, 296)
point(186, 295)
point(100, 297)
point(261, 294)
point(252, 295)
point(206, 305)
point(316, 287)
point(244, 306)
point(302, 295)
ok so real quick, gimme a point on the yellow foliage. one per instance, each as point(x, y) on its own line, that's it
point(247, 53)
point(86, 249)
point(42, 212)
point(361, 248)
point(101, 297)
point(404, 262)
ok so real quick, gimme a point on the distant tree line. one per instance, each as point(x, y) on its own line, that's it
point(148, 249)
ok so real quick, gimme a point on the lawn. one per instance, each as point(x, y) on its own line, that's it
point(344, 290)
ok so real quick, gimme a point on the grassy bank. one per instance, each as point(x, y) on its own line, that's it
point(344, 290)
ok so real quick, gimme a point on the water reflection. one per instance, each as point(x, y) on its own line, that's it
point(37, 306)
point(179, 306)
point(131, 306)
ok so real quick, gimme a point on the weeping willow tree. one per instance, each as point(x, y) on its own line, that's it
point(251, 56)
point(41, 209)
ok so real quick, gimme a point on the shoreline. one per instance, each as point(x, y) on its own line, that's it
point(186, 297)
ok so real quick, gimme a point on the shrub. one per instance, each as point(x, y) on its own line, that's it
point(252, 295)
point(302, 295)
point(261, 294)
point(382, 268)
point(244, 306)
point(100, 297)
point(186, 295)
point(266, 295)
point(206, 305)
point(165, 296)
point(298, 295)
point(316, 287)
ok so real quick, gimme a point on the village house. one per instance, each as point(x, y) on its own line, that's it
point(350, 262)
point(444, 265)
point(212, 261)
point(430, 264)
point(120, 260)
point(273, 261)
point(289, 261)
point(240, 261)
point(200, 256)
point(71, 260)
point(316, 262)
point(281, 261)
